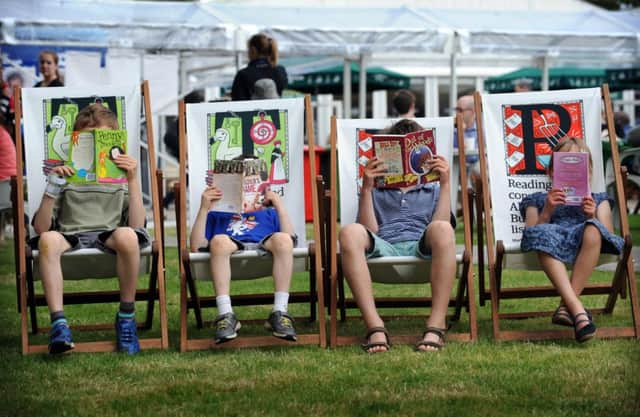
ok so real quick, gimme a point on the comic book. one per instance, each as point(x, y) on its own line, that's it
point(92, 154)
point(405, 157)
point(242, 183)
point(571, 174)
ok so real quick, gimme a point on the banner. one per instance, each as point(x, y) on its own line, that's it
point(354, 136)
point(49, 115)
point(272, 130)
point(521, 130)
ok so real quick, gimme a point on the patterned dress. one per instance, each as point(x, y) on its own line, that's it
point(562, 236)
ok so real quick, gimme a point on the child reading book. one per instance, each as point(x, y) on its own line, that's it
point(562, 233)
point(109, 217)
point(410, 221)
point(223, 233)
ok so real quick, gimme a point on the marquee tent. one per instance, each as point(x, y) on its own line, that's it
point(559, 79)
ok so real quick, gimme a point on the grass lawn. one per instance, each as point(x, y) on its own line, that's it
point(562, 378)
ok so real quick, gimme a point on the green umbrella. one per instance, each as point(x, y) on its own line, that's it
point(623, 78)
point(329, 80)
point(560, 78)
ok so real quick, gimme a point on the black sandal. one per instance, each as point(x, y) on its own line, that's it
point(368, 345)
point(562, 316)
point(437, 345)
point(587, 332)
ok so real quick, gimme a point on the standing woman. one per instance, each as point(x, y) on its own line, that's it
point(262, 78)
point(49, 69)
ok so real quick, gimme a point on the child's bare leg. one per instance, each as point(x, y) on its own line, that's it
point(124, 242)
point(221, 247)
point(51, 246)
point(441, 239)
point(558, 276)
point(354, 241)
point(587, 258)
point(281, 246)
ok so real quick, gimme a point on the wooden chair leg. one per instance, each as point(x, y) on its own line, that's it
point(313, 294)
point(195, 300)
point(153, 283)
point(31, 299)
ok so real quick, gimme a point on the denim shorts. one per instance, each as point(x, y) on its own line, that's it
point(95, 239)
point(257, 246)
point(381, 248)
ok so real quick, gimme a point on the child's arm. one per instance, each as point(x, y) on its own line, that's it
point(209, 196)
point(273, 199)
point(42, 218)
point(136, 206)
point(443, 207)
point(602, 213)
point(366, 215)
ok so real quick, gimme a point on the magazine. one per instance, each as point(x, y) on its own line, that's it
point(92, 154)
point(571, 174)
point(405, 157)
point(242, 183)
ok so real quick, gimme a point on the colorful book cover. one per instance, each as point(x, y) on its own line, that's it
point(242, 183)
point(405, 157)
point(92, 154)
point(571, 174)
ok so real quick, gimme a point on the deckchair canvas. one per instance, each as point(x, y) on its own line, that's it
point(223, 131)
point(346, 140)
point(49, 114)
point(519, 132)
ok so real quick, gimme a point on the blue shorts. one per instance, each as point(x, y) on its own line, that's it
point(257, 246)
point(381, 248)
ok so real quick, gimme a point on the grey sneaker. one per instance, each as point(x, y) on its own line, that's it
point(227, 326)
point(281, 324)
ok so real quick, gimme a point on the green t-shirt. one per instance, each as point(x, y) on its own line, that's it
point(83, 208)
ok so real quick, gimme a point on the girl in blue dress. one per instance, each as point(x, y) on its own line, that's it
point(575, 235)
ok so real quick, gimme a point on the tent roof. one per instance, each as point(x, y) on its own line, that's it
point(340, 31)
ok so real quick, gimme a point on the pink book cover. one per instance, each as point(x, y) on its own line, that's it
point(571, 174)
point(405, 157)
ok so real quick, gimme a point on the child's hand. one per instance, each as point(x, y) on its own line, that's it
point(271, 199)
point(63, 171)
point(439, 165)
point(210, 195)
point(128, 164)
point(589, 207)
point(555, 197)
point(374, 168)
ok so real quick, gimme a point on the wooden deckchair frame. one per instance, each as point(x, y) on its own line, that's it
point(28, 299)
point(623, 278)
point(189, 298)
point(465, 294)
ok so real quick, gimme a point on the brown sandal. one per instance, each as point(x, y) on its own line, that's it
point(368, 345)
point(437, 345)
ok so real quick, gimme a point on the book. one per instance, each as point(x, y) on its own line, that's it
point(571, 175)
point(405, 157)
point(92, 154)
point(242, 183)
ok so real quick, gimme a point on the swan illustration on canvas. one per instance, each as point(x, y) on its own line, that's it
point(222, 136)
point(60, 143)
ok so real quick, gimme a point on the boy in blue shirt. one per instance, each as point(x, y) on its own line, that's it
point(410, 221)
point(223, 233)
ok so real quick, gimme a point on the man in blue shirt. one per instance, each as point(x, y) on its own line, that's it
point(411, 221)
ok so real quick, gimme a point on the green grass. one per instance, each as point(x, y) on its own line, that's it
point(486, 378)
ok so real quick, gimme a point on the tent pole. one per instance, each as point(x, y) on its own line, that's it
point(453, 85)
point(362, 92)
point(346, 88)
point(544, 85)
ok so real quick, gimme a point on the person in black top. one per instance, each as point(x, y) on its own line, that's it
point(262, 78)
point(49, 69)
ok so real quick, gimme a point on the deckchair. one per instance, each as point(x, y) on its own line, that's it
point(246, 127)
point(48, 115)
point(392, 270)
point(516, 134)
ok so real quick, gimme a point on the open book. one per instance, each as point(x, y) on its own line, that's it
point(242, 183)
point(92, 154)
point(571, 174)
point(406, 157)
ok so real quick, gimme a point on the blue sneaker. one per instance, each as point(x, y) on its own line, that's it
point(127, 335)
point(60, 338)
